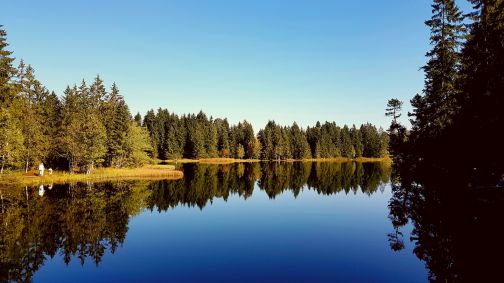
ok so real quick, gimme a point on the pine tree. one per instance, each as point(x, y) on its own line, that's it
point(211, 138)
point(137, 145)
point(31, 97)
point(482, 87)
point(300, 146)
point(436, 108)
point(50, 111)
point(148, 122)
point(357, 145)
point(138, 119)
point(393, 109)
point(346, 143)
point(7, 71)
point(313, 137)
point(82, 137)
point(269, 138)
point(11, 140)
point(68, 139)
point(223, 137)
point(116, 118)
point(372, 143)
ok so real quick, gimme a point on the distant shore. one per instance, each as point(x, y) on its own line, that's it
point(97, 175)
point(233, 160)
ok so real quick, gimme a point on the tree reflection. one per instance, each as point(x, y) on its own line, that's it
point(85, 221)
point(80, 221)
point(324, 177)
point(455, 227)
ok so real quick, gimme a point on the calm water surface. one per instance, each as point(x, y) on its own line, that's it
point(289, 222)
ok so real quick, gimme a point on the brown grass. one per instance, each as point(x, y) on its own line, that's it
point(372, 159)
point(100, 174)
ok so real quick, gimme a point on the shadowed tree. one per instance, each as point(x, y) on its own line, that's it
point(393, 109)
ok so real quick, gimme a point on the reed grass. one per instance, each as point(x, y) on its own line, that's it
point(99, 174)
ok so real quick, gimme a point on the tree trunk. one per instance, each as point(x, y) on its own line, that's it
point(26, 166)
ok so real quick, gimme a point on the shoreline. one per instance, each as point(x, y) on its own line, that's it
point(158, 172)
point(233, 160)
point(164, 171)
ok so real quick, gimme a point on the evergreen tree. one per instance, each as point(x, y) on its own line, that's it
point(482, 86)
point(347, 149)
point(50, 111)
point(116, 119)
point(195, 144)
point(313, 137)
point(138, 119)
point(300, 146)
point(7, 71)
point(223, 137)
point(83, 137)
point(148, 122)
point(357, 145)
point(436, 108)
point(68, 139)
point(137, 145)
point(31, 97)
point(393, 110)
point(268, 138)
point(371, 140)
point(211, 138)
point(11, 140)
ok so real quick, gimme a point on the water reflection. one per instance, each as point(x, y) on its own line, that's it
point(455, 226)
point(84, 221)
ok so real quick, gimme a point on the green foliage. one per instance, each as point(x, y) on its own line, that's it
point(371, 140)
point(137, 146)
point(83, 136)
point(11, 140)
point(117, 121)
point(240, 152)
point(7, 71)
point(356, 136)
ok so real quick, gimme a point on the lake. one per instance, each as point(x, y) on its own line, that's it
point(257, 222)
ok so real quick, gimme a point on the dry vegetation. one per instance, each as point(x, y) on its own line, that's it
point(99, 174)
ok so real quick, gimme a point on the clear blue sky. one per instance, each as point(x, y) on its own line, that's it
point(258, 60)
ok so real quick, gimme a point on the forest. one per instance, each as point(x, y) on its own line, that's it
point(90, 126)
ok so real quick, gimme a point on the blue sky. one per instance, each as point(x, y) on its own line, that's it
point(258, 60)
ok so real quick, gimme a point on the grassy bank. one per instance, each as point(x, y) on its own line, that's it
point(99, 174)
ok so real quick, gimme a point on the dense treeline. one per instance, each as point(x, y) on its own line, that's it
point(460, 111)
point(91, 126)
point(197, 136)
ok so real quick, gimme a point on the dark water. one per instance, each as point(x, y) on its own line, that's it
point(288, 222)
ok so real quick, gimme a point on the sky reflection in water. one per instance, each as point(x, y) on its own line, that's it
point(234, 223)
